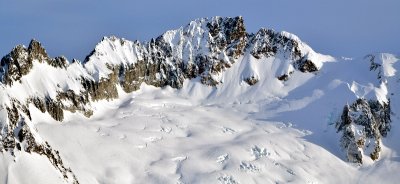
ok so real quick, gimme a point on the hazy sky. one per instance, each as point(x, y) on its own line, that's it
point(73, 27)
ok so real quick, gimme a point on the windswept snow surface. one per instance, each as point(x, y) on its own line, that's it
point(271, 132)
point(156, 137)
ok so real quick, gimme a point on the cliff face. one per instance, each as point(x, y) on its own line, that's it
point(203, 49)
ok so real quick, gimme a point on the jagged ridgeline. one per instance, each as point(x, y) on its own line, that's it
point(204, 48)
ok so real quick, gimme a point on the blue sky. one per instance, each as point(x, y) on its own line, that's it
point(72, 28)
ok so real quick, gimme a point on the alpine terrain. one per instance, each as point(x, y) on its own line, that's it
point(208, 102)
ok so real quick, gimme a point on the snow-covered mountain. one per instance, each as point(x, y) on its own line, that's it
point(205, 103)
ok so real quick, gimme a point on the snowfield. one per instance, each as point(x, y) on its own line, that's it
point(170, 140)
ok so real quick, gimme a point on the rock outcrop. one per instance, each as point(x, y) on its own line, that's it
point(363, 124)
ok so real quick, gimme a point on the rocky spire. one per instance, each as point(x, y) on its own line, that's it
point(363, 124)
point(20, 60)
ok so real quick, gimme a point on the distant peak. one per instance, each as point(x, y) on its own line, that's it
point(34, 43)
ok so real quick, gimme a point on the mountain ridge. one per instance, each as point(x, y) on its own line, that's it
point(204, 50)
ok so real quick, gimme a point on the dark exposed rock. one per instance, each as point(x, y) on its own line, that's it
point(283, 77)
point(206, 67)
point(306, 65)
point(39, 104)
point(37, 52)
point(59, 62)
point(228, 34)
point(190, 71)
point(132, 76)
point(266, 43)
point(78, 102)
point(104, 89)
point(363, 124)
point(375, 66)
point(54, 109)
point(15, 65)
point(251, 80)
